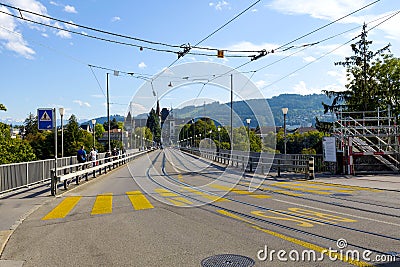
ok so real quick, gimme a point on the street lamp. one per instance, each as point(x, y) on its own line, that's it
point(61, 110)
point(210, 137)
point(248, 120)
point(94, 131)
point(284, 111)
point(219, 136)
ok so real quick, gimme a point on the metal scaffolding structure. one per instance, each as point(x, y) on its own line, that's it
point(369, 141)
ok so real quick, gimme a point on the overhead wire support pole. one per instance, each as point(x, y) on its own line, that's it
point(231, 112)
point(108, 116)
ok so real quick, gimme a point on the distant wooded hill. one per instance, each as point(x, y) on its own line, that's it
point(302, 110)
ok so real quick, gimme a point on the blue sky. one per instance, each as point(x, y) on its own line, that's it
point(44, 67)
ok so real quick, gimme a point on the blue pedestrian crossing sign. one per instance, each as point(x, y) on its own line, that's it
point(45, 119)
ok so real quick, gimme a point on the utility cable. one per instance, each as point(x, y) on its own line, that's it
point(114, 34)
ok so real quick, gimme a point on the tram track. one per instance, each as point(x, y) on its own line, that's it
point(254, 221)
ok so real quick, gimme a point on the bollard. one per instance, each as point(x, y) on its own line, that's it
point(279, 168)
point(311, 174)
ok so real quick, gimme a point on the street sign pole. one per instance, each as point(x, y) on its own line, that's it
point(47, 122)
point(54, 178)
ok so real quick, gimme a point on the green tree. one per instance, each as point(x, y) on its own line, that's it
point(362, 90)
point(153, 123)
point(2, 107)
point(73, 137)
point(113, 124)
point(13, 150)
point(388, 79)
point(31, 125)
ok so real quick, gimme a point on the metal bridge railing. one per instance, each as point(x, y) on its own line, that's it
point(19, 175)
point(263, 163)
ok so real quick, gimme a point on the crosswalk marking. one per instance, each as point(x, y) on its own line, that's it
point(63, 208)
point(103, 204)
point(139, 201)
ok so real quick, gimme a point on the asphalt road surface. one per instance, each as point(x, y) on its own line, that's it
point(172, 209)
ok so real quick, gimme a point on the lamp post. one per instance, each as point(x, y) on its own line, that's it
point(61, 110)
point(284, 111)
point(248, 120)
point(210, 137)
point(135, 141)
point(219, 136)
point(94, 131)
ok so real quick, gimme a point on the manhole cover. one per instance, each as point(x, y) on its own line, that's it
point(227, 260)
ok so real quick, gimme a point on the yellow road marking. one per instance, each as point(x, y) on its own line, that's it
point(302, 243)
point(261, 196)
point(326, 188)
point(300, 221)
point(210, 197)
point(238, 191)
point(63, 208)
point(321, 216)
point(348, 186)
point(300, 189)
point(285, 192)
point(172, 197)
point(139, 201)
point(165, 193)
point(180, 177)
point(274, 190)
point(103, 204)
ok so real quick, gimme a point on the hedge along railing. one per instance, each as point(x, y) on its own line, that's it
point(25, 174)
point(77, 171)
point(249, 161)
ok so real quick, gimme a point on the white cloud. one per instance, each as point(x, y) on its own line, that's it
point(309, 59)
point(54, 3)
point(142, 65)
point(13, 40)
point(64, 34)
point(327, 9)
point(260, 83)
point(138, 109)
point(69, 26)
point(81, 103)
point(302, 89)
point(220, 5)
point(115, 19)
point(70, 9)
point(45, 35)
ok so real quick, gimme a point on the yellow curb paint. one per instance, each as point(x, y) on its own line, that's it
point(63, 208)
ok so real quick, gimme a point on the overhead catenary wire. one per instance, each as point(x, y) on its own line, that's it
point(265, 52)
point(331, 51)
point(20, 10)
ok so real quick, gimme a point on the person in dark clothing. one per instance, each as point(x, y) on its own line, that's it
point(81, 155)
